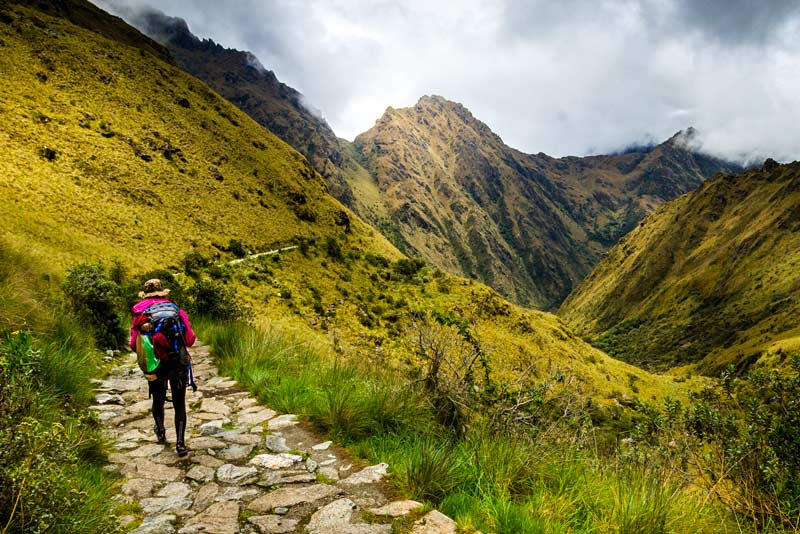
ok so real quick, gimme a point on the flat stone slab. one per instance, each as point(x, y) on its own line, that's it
point(236, 452)
point(368, 475)
point(275, 461)
point(157, 505)
point(207, 460)
point(201, 473)
point(147, 469)
point(175, 489)
point(434, 522)
point(234, 474)
point(397, 508)
point(208, 443)
point(292, 496)
point(213, 427)
point(282, 421)
point(235, 493)
point(109, 398)
point(337, 517)
point(322, 446)
point(157, 524)
point(256, 418)
point(273, 524)
point(219, 518)
point(215, 406)
point(240, 438)
point(146, 451)
point(205, 495)
point(276, 444)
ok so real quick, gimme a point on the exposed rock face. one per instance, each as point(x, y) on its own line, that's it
point(236, 472)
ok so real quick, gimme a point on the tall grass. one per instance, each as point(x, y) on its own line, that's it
point(51, 448)
point(491, 481)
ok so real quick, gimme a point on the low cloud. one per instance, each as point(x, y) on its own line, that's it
point(573, 77)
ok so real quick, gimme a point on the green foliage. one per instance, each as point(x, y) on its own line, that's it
point(194, 262)
point(237, 248)
point(94, 297)
point(215, 300)
point(333, 249)
point(408, 267)
point(751, 426)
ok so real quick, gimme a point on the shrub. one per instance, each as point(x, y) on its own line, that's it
point(95, 298)
point(194, 262)
point(408, 267)
point(333, 249)
point(237, 248)
point(216, 301)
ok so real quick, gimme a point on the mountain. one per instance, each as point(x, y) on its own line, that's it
point(442, 186)
point(110, 153)
point(242, 80)
point(709, 278)
point(531, 226)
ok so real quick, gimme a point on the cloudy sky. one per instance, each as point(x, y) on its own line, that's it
point(569, 77)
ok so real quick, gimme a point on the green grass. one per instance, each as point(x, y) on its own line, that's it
point(51, 449)
point(492, 481)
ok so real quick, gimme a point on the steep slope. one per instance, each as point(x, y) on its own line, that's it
point(108, 153)
point(710, 277)
point(241, 79)
point(531, 226)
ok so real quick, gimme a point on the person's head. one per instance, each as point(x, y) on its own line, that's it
point(153, 289)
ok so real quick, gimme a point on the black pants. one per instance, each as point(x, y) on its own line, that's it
point(178, 378)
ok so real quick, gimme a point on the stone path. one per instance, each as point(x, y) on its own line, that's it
point(250, 469)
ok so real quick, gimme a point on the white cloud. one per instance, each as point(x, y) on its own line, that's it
point(569, 77)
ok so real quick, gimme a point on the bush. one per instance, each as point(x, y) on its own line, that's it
point(408, 267)
point(194, 262)
point(94, 297)
point(237, 248)
point(216, 301)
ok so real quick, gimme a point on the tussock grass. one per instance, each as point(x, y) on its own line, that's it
point(491, 481)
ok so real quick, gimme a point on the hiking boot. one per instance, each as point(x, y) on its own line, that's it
point(180, 444)
point(161, 432)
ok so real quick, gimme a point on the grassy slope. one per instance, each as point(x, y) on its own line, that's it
point(709, 277)
point(100, 200)
point(100, 104)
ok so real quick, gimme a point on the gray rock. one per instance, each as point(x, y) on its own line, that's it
point(257, 417)
point(219, 518)
point(235, 493)
point(291, 496)
point(281, 510)
point(157, 524)
point(207, 460)
point(337, 517)
point(331, 473)
point(108, 398)
point(311, 465)
point(200, 473)
point(275, 461)
point(215, 406)
point(397, 508)
point(368, 475)
point(175, 489)
point(213, 427)
point(147, 469)
point(157, 505)
point(273, 524)
point(237, 436)
point(434, 522)
point(146, 451)
point(276, 444)
point(208, 443)
point(233, 474)
point(322, 446)
point(299, 478)
point(282, 421)
point(246, 403)
point(236, 452)
point(205, 495)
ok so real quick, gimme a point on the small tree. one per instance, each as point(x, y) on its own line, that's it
point(95, 298)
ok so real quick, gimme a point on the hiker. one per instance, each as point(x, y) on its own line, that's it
point(160, 334)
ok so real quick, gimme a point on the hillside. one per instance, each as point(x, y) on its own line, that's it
point(241, 79)
point(531, 226)
point(710, 278)
point(108, 153)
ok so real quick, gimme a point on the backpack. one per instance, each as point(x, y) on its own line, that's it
point(167, 331)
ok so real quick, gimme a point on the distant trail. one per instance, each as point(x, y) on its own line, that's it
point(250, 470)
point(268, 253)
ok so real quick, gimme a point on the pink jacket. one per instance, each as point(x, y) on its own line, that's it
point(142, 305)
